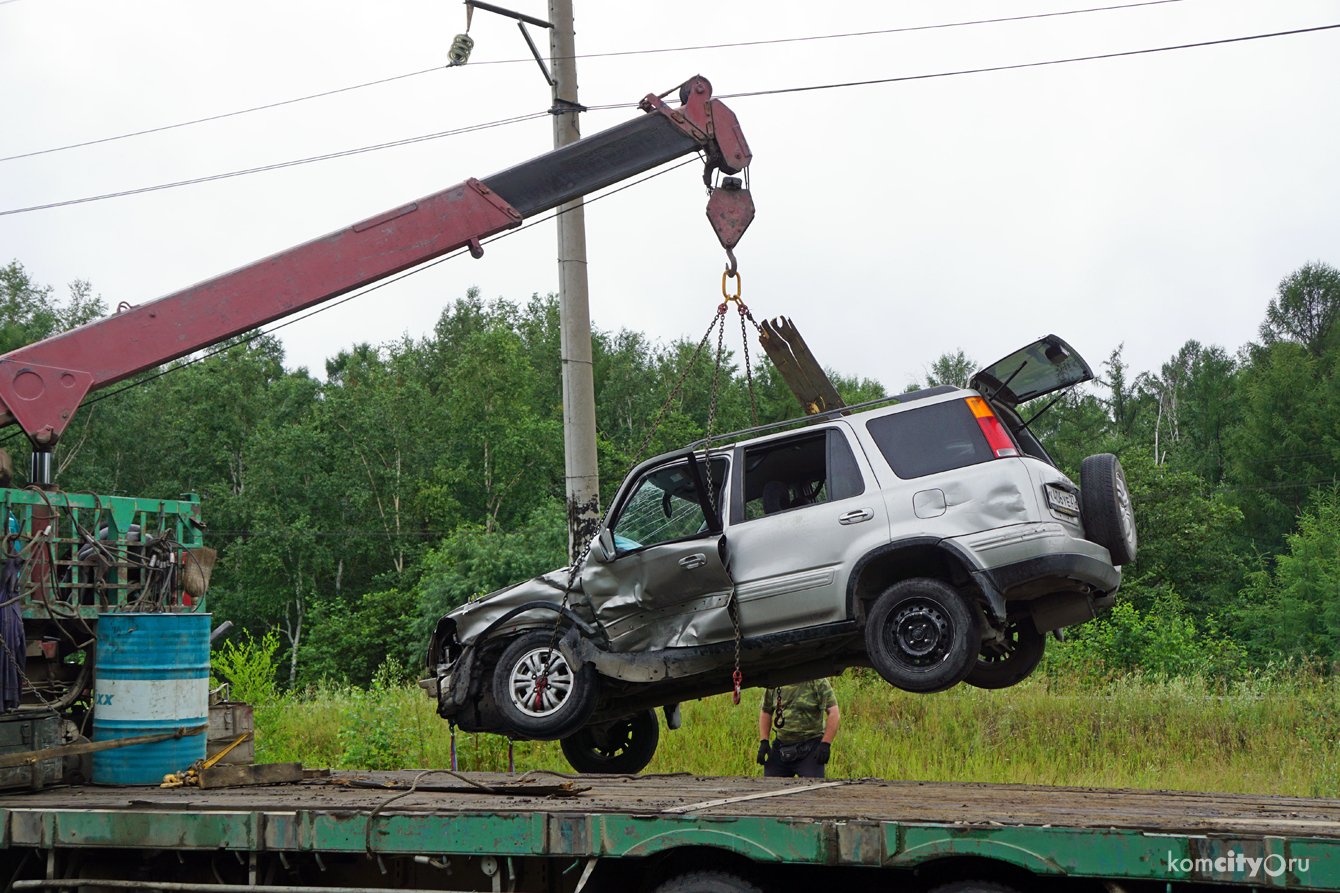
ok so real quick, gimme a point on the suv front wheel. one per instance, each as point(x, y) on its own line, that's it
point(539, 693)
point(923, 636)
point(624, 746)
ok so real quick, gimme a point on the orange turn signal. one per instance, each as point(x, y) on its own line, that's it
point(1002, 445)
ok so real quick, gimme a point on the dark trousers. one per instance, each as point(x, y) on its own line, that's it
point(805, 767)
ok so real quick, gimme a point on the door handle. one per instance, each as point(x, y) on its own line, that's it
point(856, 517)
point(689, 562)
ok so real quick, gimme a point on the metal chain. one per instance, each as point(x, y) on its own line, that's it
point(24, 679)
point(733, 609)
point(748, 368)
point(712, 408)
point(655, 426)
point(674, 392)
point(732, 603)
point(732, 606)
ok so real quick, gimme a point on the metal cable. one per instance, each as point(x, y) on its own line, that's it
point(717, 46)
point(745, 94)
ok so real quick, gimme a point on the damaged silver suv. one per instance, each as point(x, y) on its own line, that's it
point(928, 536)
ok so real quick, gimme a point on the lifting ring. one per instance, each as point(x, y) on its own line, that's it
point(739, 283)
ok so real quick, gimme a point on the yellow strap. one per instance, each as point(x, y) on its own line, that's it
point(223, 753)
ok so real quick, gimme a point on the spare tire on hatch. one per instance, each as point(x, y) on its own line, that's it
point(1105, 507)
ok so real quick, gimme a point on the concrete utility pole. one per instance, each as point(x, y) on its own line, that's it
point(579, 398)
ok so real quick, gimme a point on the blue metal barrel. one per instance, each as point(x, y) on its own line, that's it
point(152, 677)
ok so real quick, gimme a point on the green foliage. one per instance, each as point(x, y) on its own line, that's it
point(955, 369)
point(1196, 405)
point(1076, 425)
point(1305, 308)
point(1293, 611)
point(1271, 733)
point(1287, 442)
point(29, 313)
point(372, 736)
point(506, 437)
point(350, 640)
point(474, 561)
point(1161, 643)
point(1187, 541)
point(248, 667)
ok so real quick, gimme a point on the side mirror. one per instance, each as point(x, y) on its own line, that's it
point(604, 549)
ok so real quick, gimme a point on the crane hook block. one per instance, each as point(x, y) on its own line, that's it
point(730, 210)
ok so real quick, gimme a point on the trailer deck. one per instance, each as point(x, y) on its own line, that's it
point(1051, 832)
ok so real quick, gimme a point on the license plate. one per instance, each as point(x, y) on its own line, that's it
point(1062, 500)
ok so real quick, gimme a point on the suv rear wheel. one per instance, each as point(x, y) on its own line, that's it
point(1000, 665)
point(539, 693)
point(922, 635)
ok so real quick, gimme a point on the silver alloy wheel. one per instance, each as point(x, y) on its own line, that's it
point(1125, 512)
point(534, 697)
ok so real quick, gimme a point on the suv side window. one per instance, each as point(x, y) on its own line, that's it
point(931, 439)
point(809, 469)
point(844, 475)
point(664, 506)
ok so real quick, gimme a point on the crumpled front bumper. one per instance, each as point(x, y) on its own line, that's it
point(450, 687)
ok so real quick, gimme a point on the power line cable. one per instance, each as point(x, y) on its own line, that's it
point(271, 105)
point(813, 37)
point(281, 164)
point(1020, 65)
point(621, 105)
point(716, 46)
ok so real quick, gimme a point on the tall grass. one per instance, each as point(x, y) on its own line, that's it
point(1269, 734)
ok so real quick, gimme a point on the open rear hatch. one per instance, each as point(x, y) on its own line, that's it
point(1045, 366)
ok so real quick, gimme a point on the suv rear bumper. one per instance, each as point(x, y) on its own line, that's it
point(1021, 554)
point(1085, 569)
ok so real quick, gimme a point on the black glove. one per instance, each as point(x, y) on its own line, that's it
point(762, 758)
point(824, 751)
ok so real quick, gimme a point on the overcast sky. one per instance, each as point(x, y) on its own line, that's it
point(1144, 200)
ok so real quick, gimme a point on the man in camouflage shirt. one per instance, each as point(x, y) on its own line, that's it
point(806, 718)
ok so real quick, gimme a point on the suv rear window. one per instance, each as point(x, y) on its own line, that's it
point(931, 439)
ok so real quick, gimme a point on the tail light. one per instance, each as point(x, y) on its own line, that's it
point(1002, 445)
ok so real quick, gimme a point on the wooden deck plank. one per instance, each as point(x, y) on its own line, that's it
point(866, 799)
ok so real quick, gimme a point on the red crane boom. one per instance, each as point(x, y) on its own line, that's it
point(42, 384)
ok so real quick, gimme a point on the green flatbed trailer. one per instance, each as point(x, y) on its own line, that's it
point(539, 832)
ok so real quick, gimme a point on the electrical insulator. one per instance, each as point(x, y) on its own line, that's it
point(459, 53)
